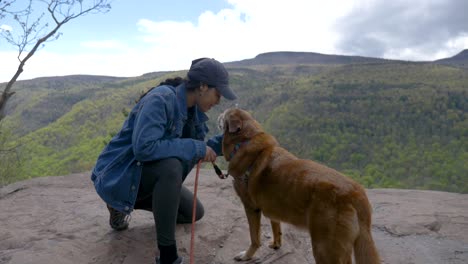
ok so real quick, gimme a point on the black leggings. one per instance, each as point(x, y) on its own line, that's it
point(162, 193)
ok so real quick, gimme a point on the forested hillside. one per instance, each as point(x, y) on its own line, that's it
point(386, 124)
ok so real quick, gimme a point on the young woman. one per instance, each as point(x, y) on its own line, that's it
point(162, 139)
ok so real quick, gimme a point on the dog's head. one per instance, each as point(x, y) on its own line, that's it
point(236, 122)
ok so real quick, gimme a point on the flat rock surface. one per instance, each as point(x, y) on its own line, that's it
point(62, 220)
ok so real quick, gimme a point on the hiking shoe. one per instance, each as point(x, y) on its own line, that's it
point(179, 260)
point(118, 220)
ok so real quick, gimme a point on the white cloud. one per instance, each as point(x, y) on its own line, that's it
point(417, 53)
point(120, 64)
point(458, 43)
point(240, 32)
point(106, 44)
point(400, 29)
point(8, 65)
point(248, 28)
point(5, 28)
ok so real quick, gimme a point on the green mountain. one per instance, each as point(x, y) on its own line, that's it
point(459, 60)
point(384, 123)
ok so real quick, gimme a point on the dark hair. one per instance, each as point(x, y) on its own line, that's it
point(190, 85)
point(172, 81)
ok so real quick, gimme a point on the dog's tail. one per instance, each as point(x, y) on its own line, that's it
point(365, 251)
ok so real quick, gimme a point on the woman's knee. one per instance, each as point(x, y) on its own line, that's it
point(184, 217)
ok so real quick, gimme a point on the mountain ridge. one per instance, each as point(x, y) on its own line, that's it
point(282, 57)
point(292, 57)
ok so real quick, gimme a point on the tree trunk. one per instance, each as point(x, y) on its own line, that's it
point(6, 94)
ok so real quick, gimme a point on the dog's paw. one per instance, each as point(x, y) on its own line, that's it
point(274, 245)
point(242, 256)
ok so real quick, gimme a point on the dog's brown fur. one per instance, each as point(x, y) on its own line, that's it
point(270, 180)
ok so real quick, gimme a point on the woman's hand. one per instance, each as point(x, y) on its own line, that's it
point(210, 155)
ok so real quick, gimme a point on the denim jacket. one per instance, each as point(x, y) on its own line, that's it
point(152, 131)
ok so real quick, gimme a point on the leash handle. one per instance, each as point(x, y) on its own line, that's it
point(219, 172)
point(194, 213)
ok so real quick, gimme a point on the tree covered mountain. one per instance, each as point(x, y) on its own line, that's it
point(384, 123)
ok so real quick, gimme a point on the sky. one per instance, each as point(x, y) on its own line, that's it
point(138, 37)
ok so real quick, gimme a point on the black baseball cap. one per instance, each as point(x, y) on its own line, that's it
point(213, 73)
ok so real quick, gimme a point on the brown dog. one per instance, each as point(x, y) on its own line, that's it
point(268, 179)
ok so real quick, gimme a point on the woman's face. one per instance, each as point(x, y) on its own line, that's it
point(207, 98)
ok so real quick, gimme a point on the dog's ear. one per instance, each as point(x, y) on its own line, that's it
point(234, 125)
point(250, 128)
point(221, 121)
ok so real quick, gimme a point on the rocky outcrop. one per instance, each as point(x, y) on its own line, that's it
point(62, 220)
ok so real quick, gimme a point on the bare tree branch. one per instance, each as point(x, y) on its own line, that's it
point(36, 31)
point(4, 7)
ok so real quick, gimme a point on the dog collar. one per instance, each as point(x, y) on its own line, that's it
point(236, 148)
